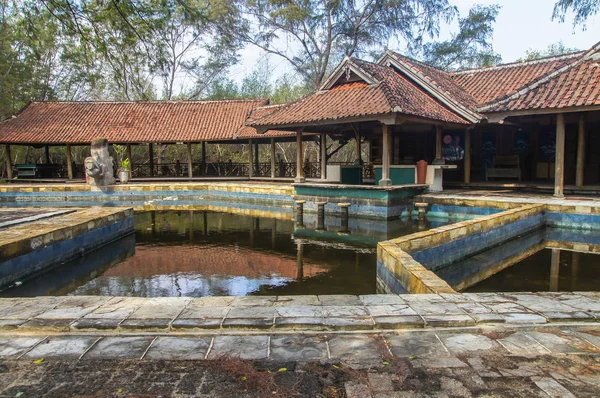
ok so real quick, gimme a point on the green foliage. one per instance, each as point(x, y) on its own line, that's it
point(125, 164)
point(552, 50)
point(583, 9)
point(313, 36)
point(470, 47)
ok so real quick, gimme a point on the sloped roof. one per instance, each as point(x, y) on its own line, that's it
point(391, 93)
point(491, 83)
point(262, 111)
point(128, 122)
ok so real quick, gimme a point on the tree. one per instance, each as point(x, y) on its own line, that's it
point(583, 9)
point(470, 47)
point(314, 35)
point(552, 50)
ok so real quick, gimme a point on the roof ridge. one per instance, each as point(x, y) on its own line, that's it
point(516, 64)
point(97, 102)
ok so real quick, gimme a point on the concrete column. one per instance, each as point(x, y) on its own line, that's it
point(128, 149)
point(323, 156)
point(580, 152)
point(438, 143)
point(47, 152)
point(559, 171)
point(69, 163)
point(9, 173)
point(554, 268)
point(273, 157)
point(386, 158)
point(190, 163)
point(250, 159)
point(299, 161)
point(151, 159)
point(467, 164)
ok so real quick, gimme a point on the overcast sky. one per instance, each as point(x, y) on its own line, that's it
point(521, 25)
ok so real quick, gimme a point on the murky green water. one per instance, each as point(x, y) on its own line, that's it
point(187, 253)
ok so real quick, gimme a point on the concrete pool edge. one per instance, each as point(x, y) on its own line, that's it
point(297, 314)
point(31, 248)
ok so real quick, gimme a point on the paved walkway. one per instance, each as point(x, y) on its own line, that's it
point(512, 197)
point(362, 346)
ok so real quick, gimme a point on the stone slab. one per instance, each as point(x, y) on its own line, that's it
point(179, 348)
point(416, 345)
point(62, 347)
point(298, 348)
point(13, 347)
point(243, 347)
point(119, 347)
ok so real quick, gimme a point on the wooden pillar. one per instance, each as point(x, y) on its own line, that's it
point(299, 161)
point(256, 156)
point(189, 156)
point(300, 261)
point(47, 152)
point(9, 171)
point(69, 163)
point(554, 269)
point(358, 149)
point(203, 166)
point(580, 152)
point(386, 158)
point(250, 160)
point(273, 157)
point(151, 159)
point(575, 261)
point(323, 156)
point(128, 149)
point(559, 171)
point(467, 159)
point(438, 143)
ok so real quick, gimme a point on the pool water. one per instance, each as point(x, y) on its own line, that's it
point(192, 253)
point(571, 271)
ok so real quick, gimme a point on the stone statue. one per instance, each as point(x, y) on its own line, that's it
point(99, 166)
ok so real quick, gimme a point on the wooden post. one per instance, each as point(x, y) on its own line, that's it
point(130, 160)
point(273, 157)
point(256, 155)
point(202, 168)
point(438, 143)
point(250, 159)
point(358, 149)
point(189, 156)
point(9, 171)
point(580, 152)
point(559, 171)
point(47, 152)
point(467, 163)
point(387, 154)
point(151, 159)
point(299, 160)
point(323, 156)
point(69, 163)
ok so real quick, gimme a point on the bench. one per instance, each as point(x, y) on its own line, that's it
point(36, 170)
point(504, 167)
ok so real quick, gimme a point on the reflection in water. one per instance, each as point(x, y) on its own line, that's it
point(187, 253)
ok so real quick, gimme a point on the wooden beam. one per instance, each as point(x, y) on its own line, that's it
point(128, 149)
point(273, 153)
point(559, 171)
point(299, 160)
point(203, 157)
point(580, 152)
point(69, 163)
point(323, 156)
point(358, 149)
point(438, 142)
point(467, 158)
point(9, 171)
point(189, 156)
point(47, 153)
point(386, 158)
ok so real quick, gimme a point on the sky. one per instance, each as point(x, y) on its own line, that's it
point(521, 25)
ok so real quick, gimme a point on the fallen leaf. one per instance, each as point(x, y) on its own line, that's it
point(244, 378)
point(386, 363)
point(38, 361)
point(120, 390)
point(19, 394)
point(411, 358)
point(282, 370)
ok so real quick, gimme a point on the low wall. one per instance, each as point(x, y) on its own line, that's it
point(31, 248)
point(412, 258)
point(265, 197)
point(365, 201)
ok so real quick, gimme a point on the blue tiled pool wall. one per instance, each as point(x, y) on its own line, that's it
point(387, 282)
point(457, 249)
point(573, 221)
point(370, 208)
point(585, 236)
point(470, 267)
point(457, 212)
point(27, 265)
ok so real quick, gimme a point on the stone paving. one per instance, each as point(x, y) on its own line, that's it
point(484, 344)
point(280, 313)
